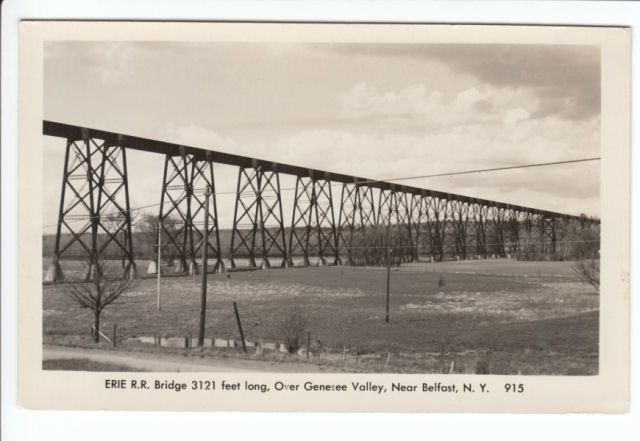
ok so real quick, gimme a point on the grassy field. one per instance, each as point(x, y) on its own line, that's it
point(500, 316)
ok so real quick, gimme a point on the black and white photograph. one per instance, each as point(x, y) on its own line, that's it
point(384, 209)
point(419, 208)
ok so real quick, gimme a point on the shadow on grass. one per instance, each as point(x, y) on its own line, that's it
point(84, 364)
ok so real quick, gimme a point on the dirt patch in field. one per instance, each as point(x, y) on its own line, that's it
point(250, 291)
point(549, 301)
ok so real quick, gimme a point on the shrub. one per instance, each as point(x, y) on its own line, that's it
point(589, 271)
point(482, 367)
point(294, 328)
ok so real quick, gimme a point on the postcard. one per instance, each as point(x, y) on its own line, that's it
point(323, 217)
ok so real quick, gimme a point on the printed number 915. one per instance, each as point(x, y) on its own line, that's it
point(515, 388)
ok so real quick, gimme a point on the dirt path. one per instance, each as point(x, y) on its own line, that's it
point(171, 363)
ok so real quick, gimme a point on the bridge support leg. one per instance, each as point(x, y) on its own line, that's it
point(313, 215)
point(384, 220)
point(460, 215)
point(185, 183)
point(479, 218)
point(258, 225)
point(496, 238)
point(201, 179)
point(394, 215)
point(367, 215)
point(367, 212)
point(516, 220)
point(348, 221)
point(356, 218)
point(425, 227)
point(548, 234)
point(449, 229)
point(436, 213)
point(403, 227)
point(175, 220)
point(415, 225)
point(526, 234)
point(94, 192)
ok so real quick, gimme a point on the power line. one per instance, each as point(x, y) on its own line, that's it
point(482, 170)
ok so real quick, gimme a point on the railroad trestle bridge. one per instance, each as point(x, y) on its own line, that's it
point(370, 217)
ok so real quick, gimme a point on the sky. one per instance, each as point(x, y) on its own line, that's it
point(373, 110)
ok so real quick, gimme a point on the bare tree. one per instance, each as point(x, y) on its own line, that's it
point(98, 293)
point(117, 223)
point(589, 271)
point(147, 229)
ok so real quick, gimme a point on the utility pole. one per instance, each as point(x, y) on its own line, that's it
point(389, 251)
point(205, 250)
point(159, 262)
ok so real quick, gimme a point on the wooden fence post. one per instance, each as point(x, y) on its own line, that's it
point(235, 310)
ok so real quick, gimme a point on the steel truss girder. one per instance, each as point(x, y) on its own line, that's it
point(258, 222)
point(186, 179)
point(95, 189)
point(313, 216)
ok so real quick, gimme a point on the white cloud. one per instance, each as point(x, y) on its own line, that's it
point(363, 100)
point(114, 63)
point(512, 116)
point(417, 105)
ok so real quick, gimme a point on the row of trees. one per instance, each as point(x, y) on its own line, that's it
point(573, 242)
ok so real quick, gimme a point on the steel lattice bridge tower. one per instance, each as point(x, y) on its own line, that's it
point(372, 216)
